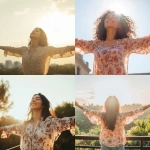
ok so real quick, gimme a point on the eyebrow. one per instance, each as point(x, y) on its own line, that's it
point(36, 97)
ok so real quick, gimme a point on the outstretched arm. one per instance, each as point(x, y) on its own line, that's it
point(15, 129)
point(61, 52)
point(146, 107)
point(131, 115)
point(139, 45)
point(94, 116)
point(84, 47)
point(13, 51)
point(77, 104)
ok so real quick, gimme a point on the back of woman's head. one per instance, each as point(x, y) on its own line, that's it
point(125, 30)
point(111, 109)
point(43, 39)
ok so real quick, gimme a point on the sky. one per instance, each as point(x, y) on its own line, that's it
point(87, 11)
point(20, 17)
point(57, 89)
point(128, 89)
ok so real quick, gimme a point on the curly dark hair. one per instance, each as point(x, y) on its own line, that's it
point(126, 30)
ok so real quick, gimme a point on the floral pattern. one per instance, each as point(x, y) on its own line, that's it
point(37, 63)
point(45, 132)
point(113, 59)
point(117, 137)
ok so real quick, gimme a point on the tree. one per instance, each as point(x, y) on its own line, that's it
point(5, 105)
point(65, 109)
point(141, 128)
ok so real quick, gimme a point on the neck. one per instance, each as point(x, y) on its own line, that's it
point(37, 115)
point(111, 33)
point(34, 43)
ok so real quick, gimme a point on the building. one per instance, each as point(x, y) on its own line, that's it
point(8, 64)
point(81, 66)
point(16, 64)
point(1, 65)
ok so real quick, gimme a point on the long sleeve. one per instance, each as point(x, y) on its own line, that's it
point(13, 51)
point(54, 126)
point(60, 52)
point(15, 129)
point(84, 47)
point(139, 45)
point(131, 115)
point(94, 116)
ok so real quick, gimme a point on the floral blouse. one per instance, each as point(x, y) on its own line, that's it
point(44, 135)
point(113, 59)
point(117, 137)
point(37, 62)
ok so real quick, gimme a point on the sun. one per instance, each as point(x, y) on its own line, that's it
point(59, 28)
point(119, 7)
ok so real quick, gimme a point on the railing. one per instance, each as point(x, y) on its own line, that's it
point(133, 138)
point(13, 147)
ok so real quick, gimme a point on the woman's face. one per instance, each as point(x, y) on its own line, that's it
point(111, 21)
point(35, 34)
point(36, 102)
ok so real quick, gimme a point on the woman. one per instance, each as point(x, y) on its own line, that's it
point(36, 57)
point(113, 44)
point(112, 122)
point(41, 129)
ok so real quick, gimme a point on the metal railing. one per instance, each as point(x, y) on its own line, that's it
point(13, 147)
point(133, 138)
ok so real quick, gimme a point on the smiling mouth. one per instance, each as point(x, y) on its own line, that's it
point(33, 104)
point(110, 21)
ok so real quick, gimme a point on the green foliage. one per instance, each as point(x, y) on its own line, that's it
point(77, 131)
point(5, 105)
point(11, 71)
point(65, 109)
point(68, 69)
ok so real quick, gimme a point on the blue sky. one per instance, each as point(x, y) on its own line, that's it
point(20, 17)
point(87, 11)
point(56, 88)
point(128, 89)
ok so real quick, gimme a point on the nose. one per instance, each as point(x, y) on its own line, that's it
point(33, 99)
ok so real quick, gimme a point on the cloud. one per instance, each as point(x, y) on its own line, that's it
point(71, 11)
point(66, 6)
point(26, 10)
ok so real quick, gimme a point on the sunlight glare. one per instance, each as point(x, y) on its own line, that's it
point(59, 28)
point(119, 7)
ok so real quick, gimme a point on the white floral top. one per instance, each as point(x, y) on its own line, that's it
point(116, 137)
point(44, 135)
point(113, 59)
point(37, 63)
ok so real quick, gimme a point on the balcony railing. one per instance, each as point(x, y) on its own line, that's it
point(133, 138)
point(13, 147)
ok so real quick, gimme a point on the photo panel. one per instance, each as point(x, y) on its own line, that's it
point(37, 37)
point(112, 112)
point(37, 112)
point(112, 37)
